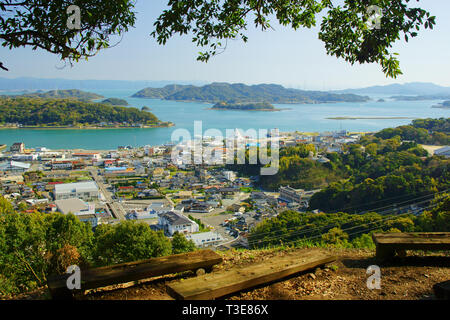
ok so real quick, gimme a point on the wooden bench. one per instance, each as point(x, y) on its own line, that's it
point(390, 244)
point(133, 271)
point(222, 283)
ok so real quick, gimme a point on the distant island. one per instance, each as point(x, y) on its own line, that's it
point(443, 105)
point(243, 94)
point(115, 102)
point(32, 112)
point(422, 97)
point(406, 89)
point(256, 106)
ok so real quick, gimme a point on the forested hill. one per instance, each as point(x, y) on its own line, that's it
point(64, 94)
point(115, 102)
point(28, 111)
point(241, 93)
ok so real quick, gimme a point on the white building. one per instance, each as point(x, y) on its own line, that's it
point(87, 156)
point(151, 212)
point(291, 194)
point(159, 207)
point(205, 239)
point(172, 222)
point(229, 175)
point(75, 206)
point(82, 190)
point(24, 157)
point(14, 166)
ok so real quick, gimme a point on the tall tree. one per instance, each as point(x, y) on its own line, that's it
point(354, 30)
point(58, 27)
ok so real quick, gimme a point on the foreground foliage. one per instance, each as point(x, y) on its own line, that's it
point(35, 245)
point(347, 230)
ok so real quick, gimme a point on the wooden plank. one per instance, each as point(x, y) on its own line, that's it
point(412, 238)
point(133, 271)
point(388, 244)
point(412, 241)
point(218, 284)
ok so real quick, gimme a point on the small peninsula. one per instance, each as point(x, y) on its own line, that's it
point(64, 94)
point(32, 112)
point(256, 106)
point(115, 102)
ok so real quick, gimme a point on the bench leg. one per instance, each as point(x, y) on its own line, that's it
point(384, 254)
point(61, 294)
point(401, 253)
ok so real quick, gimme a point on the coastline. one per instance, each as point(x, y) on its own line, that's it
point(231, 109)
point(171, 124)
point(283, 102)
point(368, 118)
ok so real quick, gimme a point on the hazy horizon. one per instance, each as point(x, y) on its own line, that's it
point(203, 82)
point(295, 59)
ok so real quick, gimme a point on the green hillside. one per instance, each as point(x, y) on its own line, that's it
point(241, 93)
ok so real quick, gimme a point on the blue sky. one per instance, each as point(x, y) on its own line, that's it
point(292, 58)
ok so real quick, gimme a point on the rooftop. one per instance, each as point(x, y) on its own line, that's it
point(73, 205)
point(88, 186)
point(175, 218)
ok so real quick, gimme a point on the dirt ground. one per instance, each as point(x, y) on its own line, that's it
point(409, 278)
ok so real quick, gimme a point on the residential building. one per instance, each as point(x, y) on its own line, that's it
point(66, 165)
point(18, 147)
point(201, 208)
point(14, 166)
point(291, 194)
point(159, 207)
point(87, 156)
point(172, 222)
point(205, 239)
point(229, 175)
point(24, 157)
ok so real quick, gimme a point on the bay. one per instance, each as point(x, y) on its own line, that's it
point(301, 117)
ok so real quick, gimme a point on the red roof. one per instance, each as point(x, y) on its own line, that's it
point(55, 182)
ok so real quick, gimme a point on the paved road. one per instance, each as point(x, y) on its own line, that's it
point(115, 207)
